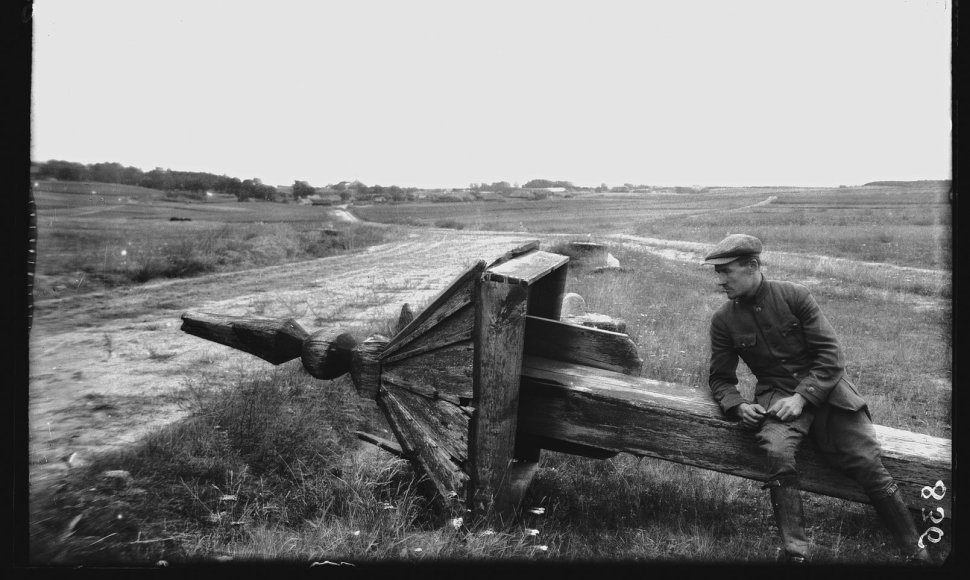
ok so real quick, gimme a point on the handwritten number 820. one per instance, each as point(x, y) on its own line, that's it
point(933, 534)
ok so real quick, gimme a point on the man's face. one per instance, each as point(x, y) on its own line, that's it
point(737, 280)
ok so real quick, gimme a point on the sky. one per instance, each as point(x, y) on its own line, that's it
point(429, 93)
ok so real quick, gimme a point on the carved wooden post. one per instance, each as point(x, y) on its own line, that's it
point(505, 297)
point(500, 330)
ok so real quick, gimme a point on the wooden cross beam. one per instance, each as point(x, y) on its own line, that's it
point(578, 404)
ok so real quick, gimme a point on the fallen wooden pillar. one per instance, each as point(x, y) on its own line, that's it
point(484, 378)
point(606, 410)
point(273, 340)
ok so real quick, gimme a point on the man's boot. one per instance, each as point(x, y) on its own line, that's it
point(895, 515)
point(786, 500)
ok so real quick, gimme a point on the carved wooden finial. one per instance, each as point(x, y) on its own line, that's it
point(365, 369)
point(276, 341)
point(327, 357)
point(324, 356)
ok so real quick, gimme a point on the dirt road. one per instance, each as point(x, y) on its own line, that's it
point(107, 367)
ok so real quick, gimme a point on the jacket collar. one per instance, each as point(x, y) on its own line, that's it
point(759, 294)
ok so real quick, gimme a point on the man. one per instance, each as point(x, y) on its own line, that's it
point(779, 331)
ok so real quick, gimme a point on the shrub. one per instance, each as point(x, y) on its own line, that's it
point(182, 259)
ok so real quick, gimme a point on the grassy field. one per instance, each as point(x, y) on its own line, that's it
point(93, 236)
point(903, 225)
point(269, 469)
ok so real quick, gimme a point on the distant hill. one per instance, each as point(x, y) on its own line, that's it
point(922, 182)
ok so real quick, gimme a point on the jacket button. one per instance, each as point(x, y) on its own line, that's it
point(811, 389)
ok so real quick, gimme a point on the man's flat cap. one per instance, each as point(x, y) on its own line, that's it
point(733, 247)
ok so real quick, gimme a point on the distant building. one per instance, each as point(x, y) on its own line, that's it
point(324, 199)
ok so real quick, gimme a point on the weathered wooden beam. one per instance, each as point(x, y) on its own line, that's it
point(450, 300)
point(454, 328)
point(546, 294)
point(514, 253)
point(578, 404)
point(583, 345)
point(382, 443)
point(528, 446)
point(544, 275)
point(500, 332)
point(446, 370)
point(525, 269)
point(273, 340)
point(433, 446)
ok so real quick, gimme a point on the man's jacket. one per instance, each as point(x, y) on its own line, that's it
point(783, 337)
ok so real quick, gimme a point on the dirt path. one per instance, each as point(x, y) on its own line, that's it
point(107, 367)
point(343, 215)
point(919, 286)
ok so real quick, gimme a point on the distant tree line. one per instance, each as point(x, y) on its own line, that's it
point(254, 188)
point(158, 178)
point(198, 181)
point(355, 190)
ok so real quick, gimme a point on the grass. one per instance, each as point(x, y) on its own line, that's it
point(267, 467)
point(907, 225)
point(96, 236)
point(897, 349)
point(269, 471)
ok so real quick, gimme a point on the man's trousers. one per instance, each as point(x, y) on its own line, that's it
point(845, 438)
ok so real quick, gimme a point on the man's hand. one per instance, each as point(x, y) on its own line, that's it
point(752, 415)
point(787, 409)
